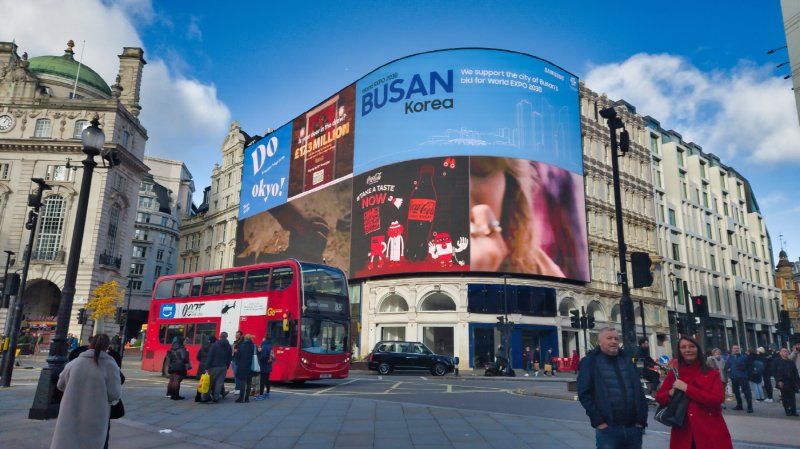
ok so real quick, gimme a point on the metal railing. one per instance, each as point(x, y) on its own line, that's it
point(110, 261)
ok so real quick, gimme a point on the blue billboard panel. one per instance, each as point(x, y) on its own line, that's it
point(471, 102)
point(265, 173)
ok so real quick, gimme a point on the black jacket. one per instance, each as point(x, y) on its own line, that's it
point(178, 359)
point(610, 391)
point(785, 371)
point(220, 355)
point(244, 359)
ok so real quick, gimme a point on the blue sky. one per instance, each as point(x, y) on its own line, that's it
point(700, 68)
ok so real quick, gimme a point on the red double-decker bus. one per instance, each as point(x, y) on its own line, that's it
point(303, 307)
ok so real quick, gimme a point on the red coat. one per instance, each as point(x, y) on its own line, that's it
point(704, 422)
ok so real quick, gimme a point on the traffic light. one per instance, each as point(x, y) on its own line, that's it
point(784, 325)
point(122, 316)
point(701, 306)
point(590, 322)
point(81, 316)
point(118, 315)
point(624, 141)
point(11, 285)
point(575, 319)
point(640, 265)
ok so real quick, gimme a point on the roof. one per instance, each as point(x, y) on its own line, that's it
point(66, 67)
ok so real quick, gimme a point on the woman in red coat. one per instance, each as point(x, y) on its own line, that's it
point(703, 427)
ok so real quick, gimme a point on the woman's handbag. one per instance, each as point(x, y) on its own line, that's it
point(674, 413)
point(117, 410)
point(205, 384)
point(254, 365)
point(548, 368)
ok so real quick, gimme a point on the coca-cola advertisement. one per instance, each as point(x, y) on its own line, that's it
point(312, 228)
point(322, 143)
point(411, 217)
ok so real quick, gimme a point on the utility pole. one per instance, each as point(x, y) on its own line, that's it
point(625, 302)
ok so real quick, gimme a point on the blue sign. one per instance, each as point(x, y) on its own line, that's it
point(664, 359)
point(468, 102)
point(265, 173)
point(167, 311)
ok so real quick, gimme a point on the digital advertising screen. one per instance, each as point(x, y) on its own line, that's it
point(464, 160)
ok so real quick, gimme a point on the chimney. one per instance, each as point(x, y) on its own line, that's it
point(131, 63)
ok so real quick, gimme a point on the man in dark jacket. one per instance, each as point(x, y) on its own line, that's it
point(611, 393)
point(218, 361)
point(787, 380)
point(738, 367)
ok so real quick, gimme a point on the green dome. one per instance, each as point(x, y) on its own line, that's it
point(67, 67)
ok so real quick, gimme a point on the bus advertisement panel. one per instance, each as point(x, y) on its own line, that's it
point(302, 307)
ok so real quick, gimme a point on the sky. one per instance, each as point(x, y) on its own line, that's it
point(700, 68)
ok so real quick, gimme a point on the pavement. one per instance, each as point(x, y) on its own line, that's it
point(307, 418)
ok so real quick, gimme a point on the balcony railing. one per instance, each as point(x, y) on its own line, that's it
point(110, 261)
point(40, 255)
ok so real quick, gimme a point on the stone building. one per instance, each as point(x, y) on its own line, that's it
point(789, 290)
point(45, 103)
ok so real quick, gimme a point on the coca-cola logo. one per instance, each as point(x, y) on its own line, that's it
point(372, 179)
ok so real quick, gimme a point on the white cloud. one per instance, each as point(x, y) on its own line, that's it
point(193, 31)
point(745, 111)
point(182, 115)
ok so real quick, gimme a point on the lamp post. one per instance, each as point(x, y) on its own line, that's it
point(625, 303)
point(46, 402)
point(673, 325)
point(125, 323)
point(9, 262)
point(34, 201)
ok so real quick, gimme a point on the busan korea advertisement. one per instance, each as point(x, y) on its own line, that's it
point(464, 160)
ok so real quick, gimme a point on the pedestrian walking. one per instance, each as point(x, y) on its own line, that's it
point(218, 361)
point(72, 342)
point(769, 357)
point(527, 359)
point(243, 357)
point(236, 381)
point(202, 359)
point(611, 393)
point(116, 343)
point(549, 366)
point(756, 374)
point(703, 426)
point(265, 358)
point(795, 357)
point(787, 379)
point(537, 361)
point(717, 362)
point(178, 364)
point(738, 367)
point(647, 366)
point(91, 383)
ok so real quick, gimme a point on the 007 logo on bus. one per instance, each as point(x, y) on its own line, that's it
point(167, 311)
point(193, 309)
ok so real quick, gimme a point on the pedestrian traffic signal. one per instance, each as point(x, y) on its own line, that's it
point(700, 306)
point(640, 266)
point(81, 316)
point(575, 319)
point(590, 322)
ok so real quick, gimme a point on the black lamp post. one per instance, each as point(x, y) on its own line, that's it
point(673, 325)
point(125, 322)
point(9, 262)
point(34, 201)
point(47, 400)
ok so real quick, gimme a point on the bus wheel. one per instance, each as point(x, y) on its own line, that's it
point(384, 368)
point(165, 369)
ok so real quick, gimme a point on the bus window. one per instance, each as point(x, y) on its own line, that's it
point(212, 285)
point(281, 338)
point(234, 282)
point(204, 330)
point(198, 281)
point(257, 280)
point(182, 288)
point(169, 331)
point(164, 289)
point(189, 334)
point(281, 278)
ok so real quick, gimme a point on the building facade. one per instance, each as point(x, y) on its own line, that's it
point(164, 194)
point(45, 103)
point(713, 241)
point(787, 278)
point(208, 235)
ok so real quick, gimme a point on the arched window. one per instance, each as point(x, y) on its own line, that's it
point(51, 223)
point(393, 304)
point(43, 127)
point(438, 302)
point(566, 305)
point(615, 314)
point(80, 125)
point(596, 310)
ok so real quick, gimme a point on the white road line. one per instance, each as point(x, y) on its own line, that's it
point(397, 384)
point(335, 386)
point(449, 388)
point(422, 377)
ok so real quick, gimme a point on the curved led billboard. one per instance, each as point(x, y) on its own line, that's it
point(453, 160)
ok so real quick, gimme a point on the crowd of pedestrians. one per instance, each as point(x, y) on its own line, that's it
point(249, 361)
point(611, 392)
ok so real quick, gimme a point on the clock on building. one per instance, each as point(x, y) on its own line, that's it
point(6, 122)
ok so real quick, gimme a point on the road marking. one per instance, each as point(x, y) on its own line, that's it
point(397, 384)
point(449, 388)
point(422, 377)
point(325, 390)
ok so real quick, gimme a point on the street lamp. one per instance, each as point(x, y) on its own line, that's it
point(46, 402)
point(673, 325)
point(34, 201)
point(9, 262)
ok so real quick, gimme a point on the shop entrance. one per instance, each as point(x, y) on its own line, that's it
point(439, 340)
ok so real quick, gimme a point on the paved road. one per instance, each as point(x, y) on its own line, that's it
point(366, 410)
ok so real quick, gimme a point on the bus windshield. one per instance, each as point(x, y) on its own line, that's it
point(323, 336)
point(324, 291)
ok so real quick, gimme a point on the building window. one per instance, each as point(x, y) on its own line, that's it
point(113, 227)
point(135, 284)
point(228, 178)
point(59, 173)
point(676, 254)
point(654, 143)
point(672, 221)
point(80, 125)
point(146, 202)
point(708, 231)
point(703, 170)
point(680, 158)
point(142, 217)
point(717, 300)
point(43, 127)
point(165, 221)
point(157, 273)
point(139, 251)
point(5, 171)
point(141, 234)
point(137, 269)
point(160, 255)
point(713, 263)
point(126, 136)
point(52, 222)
